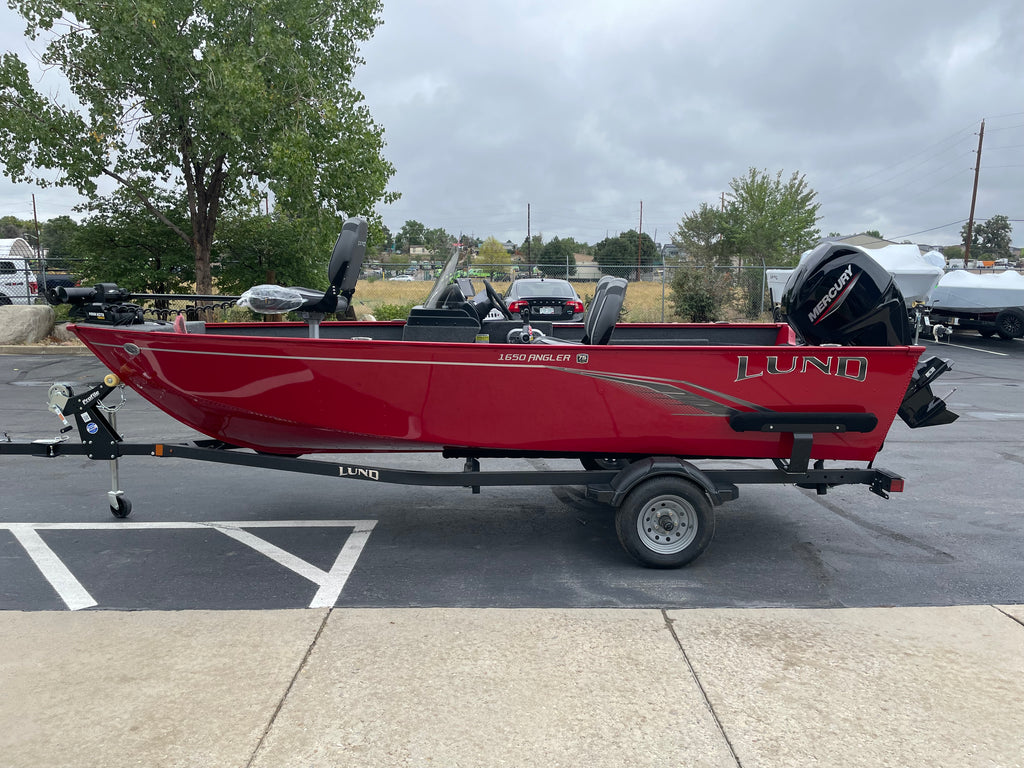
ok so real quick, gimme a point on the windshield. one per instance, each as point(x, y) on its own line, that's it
point(443, 279)
point(530, 289)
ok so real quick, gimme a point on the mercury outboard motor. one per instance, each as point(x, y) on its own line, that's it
point(840, 295)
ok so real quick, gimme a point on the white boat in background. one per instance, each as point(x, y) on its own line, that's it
point(962, 290)
point(915, 275)
point(988, 304)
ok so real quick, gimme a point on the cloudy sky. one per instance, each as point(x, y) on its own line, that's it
point(583, 109)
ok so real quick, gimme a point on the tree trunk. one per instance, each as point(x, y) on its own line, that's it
point(204, 278)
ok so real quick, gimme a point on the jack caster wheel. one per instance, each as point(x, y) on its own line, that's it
point(121, 508)
point(665, 522)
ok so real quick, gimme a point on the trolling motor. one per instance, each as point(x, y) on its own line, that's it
point(840, 295)
point(104, 304)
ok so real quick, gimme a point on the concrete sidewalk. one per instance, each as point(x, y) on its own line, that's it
point(457, 687)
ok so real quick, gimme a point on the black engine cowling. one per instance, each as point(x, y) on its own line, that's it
point(840, 295)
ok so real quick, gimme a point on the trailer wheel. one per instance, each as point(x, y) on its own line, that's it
point(121, 508)
point(665, 522)
point(1010, 324)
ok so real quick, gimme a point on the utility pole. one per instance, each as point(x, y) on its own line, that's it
point(640, 240)
point(39, 244)
point(974, 197)
point(529, 240)
point(35, 218)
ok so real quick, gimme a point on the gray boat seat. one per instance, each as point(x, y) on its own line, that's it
point(313, 304)
point(602, 314)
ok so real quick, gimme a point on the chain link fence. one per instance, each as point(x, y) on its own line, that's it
point(388, 290)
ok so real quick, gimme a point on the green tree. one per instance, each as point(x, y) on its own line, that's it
point(769, 221)
point(578, 247)
point(227, 99)
point(701, 236)
point(121, 242)
point(438, 242)
point(952, 252)
point(556, 258)
point(252, 250)
point(12, 226)
point(412, 233)
point(625, 255)
point(700, 292)
point(990, 238)
point(874, 233)
point(493, 253)
point(57, 236)
point(531, 248)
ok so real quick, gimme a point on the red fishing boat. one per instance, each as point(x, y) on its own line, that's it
point(635, 402)
point(451, 378)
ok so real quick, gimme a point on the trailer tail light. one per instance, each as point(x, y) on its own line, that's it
point(33, 287)
point(886, 482)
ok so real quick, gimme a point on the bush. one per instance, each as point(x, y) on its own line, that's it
point(392, 311)
point(699, 294)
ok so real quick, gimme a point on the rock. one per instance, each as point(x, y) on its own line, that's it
point(25, 324)
point(63, 335)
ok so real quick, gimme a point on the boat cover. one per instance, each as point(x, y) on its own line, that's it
point(965, 290)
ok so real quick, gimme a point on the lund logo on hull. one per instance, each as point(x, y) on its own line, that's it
point(368, 474)
point(855, 368)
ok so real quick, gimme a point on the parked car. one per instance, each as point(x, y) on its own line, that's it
point(402, 278)
point(17, 280)
point(547, 299)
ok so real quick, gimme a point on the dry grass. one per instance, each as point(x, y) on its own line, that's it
point(643, 300)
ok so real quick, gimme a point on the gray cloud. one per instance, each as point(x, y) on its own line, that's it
point(583, 109)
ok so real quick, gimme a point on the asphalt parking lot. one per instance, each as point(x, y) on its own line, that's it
point(215, 537)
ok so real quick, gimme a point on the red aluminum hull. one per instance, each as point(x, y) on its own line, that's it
point(301, 395)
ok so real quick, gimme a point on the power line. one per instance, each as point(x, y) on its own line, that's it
point(921, 232)
point(956, 135)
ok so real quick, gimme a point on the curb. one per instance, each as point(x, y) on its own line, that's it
point(42, 349)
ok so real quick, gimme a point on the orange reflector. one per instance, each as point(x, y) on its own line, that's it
point(896, 485)
point(159, 450)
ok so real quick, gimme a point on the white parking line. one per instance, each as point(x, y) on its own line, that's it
point(52, 567)
point(330, 583)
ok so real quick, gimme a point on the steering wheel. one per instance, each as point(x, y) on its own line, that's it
point(496, 301)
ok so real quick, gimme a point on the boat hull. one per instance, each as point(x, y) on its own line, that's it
point(301, 395)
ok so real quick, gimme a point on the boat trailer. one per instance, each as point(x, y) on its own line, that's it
point(664, 504)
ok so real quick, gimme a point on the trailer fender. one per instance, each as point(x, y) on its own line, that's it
point(654, 466)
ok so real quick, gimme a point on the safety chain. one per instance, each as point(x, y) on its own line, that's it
point(117, 406)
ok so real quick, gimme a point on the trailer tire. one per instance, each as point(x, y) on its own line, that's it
point(665, 522)
point(1010, 324)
